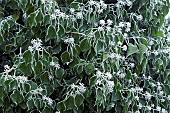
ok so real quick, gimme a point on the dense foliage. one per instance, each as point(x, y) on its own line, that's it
point(84, 56)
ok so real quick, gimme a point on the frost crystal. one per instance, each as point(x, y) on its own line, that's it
point(36, 45)
point(139, 17)
point(102, 22)
point(148, 96)
point(79, 15)
point(56, 65)
point(110, 85)
point(49, 100)
point(22, 79)
point(124, 48)
point(69, 41)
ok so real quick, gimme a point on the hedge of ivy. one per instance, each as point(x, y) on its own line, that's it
point(84, 56)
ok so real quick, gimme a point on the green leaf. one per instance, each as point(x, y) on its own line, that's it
point(39, 17)
point(25, 69)
point(131, 49)
point(99, 47)
point(60, 31)
point(13, 85)
point(27, 55)
point(79, 69)
point(69, 103)
point(92, 81)
point(51, 33)
point(1, 92)
point(116, 96)
point(38, 103)
point(47, 19)
point(79, 100)
point(45, 78)
point(16, 97)
point(26, 87)
point(23, 2)
point(84, 45)
point(89, 68)
point(61, 106)
point(74, 5)
point(1, 39)
point(65, 57)
point(31, 19)
point(38, 68)
point(30, 104)
point(142, 50)
point(59, 73)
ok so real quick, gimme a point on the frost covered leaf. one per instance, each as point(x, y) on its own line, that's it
point(59, 73)
point(89, 68)
point(31, 19)
point(1, 91)
point(30, 104)
point(39, 17)
point(27, 55)
point(85, 45)
point(131, 49)
point(51, 33)
point(45, 78)
point(38, 103)
point(60, 32)
point(142, 50)
point(16, 97)
point(65, 57)
point(69, 103)
point(38, 68)
point(79, 100)
point(25, 68)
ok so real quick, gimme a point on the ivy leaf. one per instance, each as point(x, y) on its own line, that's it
point(142, 50)
point(60, 32)
point(46, 110)
point(16, 97)
point(131, 49)
point(1, 91)
point(99, 46)
point(39, 17)
point(23, 2)
point(65, 57)
point(47, 19)
point(38, 68)
point(79, 100)
point(59, 73)
point(84, 45)
point(45, 78)
point(31, 19)
point(51, 33)
point(27, 55)
point(74, 5)
point(13, 85)
point(30, 104)
point(69, 103)
point(25, 69)
point(89, 68)
point(38, 103)
point(92, 81)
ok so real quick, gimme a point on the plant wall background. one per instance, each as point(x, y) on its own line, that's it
point(84, 56)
